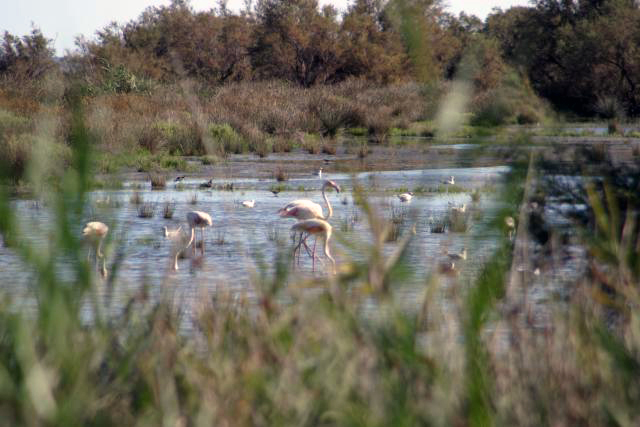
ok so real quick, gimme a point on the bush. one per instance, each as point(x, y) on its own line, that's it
point(181, 139)
point(226, 140)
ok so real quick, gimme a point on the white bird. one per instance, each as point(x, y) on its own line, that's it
point(171, 234)
point(459, 209)
point(450, 181)
point(461, 256)
point(198, 219)
point(316, 227)
point(405, 197)
point(249, 203)
point(180, 242)
point(319, 173)
point(95, 232)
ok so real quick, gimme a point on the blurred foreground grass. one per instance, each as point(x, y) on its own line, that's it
point(318, 359)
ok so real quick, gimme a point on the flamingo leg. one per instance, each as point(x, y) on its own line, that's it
point(304, 242)
point(297, 249)
point(98, 251)
point(313, 256)
point(202, 234)
point(103, 270)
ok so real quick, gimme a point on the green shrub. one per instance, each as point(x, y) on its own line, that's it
point(226, 140)
point(181, 139)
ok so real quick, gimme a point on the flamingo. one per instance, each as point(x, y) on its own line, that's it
point(317, 227)
point(96, 232)
point(462, 256)
point(198, 219)
point(306, 209)
point(180, 241)
point(249, 203)
point(405, 197)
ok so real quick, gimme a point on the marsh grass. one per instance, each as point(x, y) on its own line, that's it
point(220, 237)
point(168, 210)
point(146, 210)
point(158, 181)
point(136, 198)
point(280, 174)
point(225, 186)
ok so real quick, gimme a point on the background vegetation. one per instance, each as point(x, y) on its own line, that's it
point(284, 74)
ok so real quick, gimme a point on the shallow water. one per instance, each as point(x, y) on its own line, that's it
point(244, 242)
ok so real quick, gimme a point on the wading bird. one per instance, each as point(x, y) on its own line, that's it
point(405, 197)
point(275, 193)
point(457, 257)
point(201, 220)
point(171, 233)
point(207, 184)
point(448, 182)
point(179, 178)
point(306, 209)
point(180, 242)
point(249, 203)
point(459, 209)
point(95, 232)
point(316, 227)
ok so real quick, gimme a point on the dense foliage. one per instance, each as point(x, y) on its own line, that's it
point(580, 55)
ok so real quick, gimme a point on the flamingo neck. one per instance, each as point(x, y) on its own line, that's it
point(193, 236)
point(326, 201)
point(327, 236)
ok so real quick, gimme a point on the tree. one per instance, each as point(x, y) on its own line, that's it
point(296, 41)
point(28, 57)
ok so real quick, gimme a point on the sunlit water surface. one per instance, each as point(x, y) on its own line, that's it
point(243, 243)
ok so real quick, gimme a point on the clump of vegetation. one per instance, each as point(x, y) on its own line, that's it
point(146, 210)
point(281, 175)
point(168, 209)
point(226, 140)
point(158, 181)
point(136, 198)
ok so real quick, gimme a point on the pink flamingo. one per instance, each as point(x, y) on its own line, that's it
point(96, 232)
point(198, 219)
point(306, 209)
point(317, 227)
